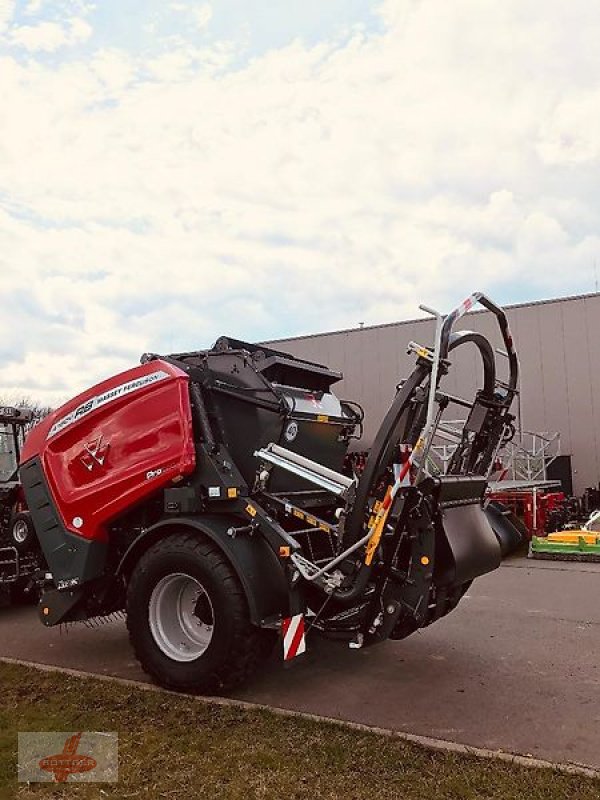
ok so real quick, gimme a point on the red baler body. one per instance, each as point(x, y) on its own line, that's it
point(114, 445)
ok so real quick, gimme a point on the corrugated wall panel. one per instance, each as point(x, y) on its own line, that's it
point(554, 375)
point(579, 389)
point(525, 326)
point(591, 313)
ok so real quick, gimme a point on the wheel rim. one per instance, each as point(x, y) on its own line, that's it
point(181, 617)
point(20, 531)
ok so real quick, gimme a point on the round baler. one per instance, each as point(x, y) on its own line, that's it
point(203, 493)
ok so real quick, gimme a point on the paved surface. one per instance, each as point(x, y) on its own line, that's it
point(514, 667)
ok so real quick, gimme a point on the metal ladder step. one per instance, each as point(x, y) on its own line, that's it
point(9, 564)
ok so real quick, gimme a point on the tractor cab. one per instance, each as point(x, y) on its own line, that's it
point(13, 422)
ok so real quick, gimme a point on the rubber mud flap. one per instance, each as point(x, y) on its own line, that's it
point(467, 545)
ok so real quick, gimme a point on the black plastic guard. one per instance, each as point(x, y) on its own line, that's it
point(57, 607)
point(71, 559)
point(466, 545)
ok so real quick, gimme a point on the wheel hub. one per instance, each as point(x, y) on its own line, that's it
point(181, 617)
point(20, 531)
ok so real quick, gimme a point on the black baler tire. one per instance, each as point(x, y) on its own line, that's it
point(237, 648)
point(30, 541)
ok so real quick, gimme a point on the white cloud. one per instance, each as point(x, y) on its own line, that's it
point(155, 204)
point(7, 9)
point(33, 7)
point(113, 68)
point(79, 30)
point(571, 134)
point(202, 15)
point(170, 66)
point(50, 36)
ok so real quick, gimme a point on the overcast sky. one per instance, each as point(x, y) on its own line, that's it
point(174, 171)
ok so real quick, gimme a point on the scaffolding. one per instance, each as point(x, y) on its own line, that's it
point(525, 458)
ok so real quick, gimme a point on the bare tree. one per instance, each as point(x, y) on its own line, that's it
point(38, 410)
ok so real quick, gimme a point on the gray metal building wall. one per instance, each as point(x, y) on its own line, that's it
point(558, 342)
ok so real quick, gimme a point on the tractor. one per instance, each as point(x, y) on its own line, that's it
point(20, 559)
point(202, 494)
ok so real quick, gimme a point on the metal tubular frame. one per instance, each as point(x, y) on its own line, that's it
point(443, 343)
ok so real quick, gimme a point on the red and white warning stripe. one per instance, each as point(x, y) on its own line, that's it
point(292, 630)
point(465, 306)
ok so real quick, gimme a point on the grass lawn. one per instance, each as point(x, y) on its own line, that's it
point(173, 747)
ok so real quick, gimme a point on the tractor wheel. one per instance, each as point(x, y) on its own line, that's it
point(22, 533)
point(188, 619)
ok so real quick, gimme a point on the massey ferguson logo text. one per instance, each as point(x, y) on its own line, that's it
point(102, 399)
